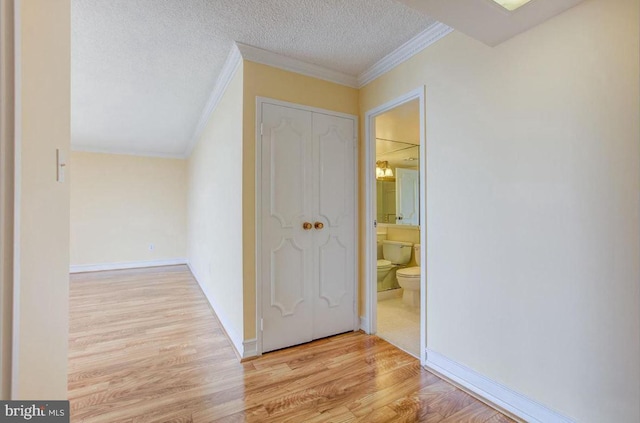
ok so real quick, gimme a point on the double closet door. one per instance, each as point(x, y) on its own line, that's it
point(307, 225)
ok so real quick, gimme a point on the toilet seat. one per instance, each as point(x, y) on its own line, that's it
point(384, 264)
point(409, 272)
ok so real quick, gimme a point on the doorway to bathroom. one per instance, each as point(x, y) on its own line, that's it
point(395, 178)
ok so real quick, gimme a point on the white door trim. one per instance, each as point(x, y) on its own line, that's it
point(370, 215)
point(258, 207)
point(7, 177)
point(17, 194)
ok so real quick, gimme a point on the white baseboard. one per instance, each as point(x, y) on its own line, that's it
point(501, 396)
point(364, 324)
point(250, 348)
point(234, 337)
point(80, 268)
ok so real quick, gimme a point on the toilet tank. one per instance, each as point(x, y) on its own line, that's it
point(397, 252)
point(416, 253)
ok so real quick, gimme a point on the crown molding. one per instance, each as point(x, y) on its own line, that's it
point(226, 74)
point(270, 58)
point(407, 50)
point(240, 52)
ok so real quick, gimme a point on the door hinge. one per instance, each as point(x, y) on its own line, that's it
point(261, 325)
point(261, 128)
point(375, 223)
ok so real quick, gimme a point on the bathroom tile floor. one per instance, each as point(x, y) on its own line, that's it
point(399, 324)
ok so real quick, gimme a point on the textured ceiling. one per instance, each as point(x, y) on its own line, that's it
point(142, 70)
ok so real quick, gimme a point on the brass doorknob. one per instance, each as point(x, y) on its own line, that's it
point(307, 225)
point(318, 225)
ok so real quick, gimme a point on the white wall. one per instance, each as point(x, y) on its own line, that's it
point(215, 210)
point(121, 204)
point(41, 278)
point(533, 183)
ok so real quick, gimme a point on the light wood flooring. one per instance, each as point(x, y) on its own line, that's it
point(145, 347)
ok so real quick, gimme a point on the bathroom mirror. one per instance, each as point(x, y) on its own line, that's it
point(397, 182)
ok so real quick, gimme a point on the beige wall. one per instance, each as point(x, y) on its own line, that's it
point(120, 205)
point(42, 254)
point(532, 216)
point(266, 81)
point(215, 205)
point(398, 233)
point(402, 123)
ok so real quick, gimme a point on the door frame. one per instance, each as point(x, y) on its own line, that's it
point(369, 323)
point(258, 206)
point(10, 118)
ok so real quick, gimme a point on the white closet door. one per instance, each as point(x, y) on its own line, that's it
point(286, 248)
point(333, 204)
point(307, 275)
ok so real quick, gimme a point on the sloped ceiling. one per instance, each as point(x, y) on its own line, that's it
point(142, 70)
point(487, 21)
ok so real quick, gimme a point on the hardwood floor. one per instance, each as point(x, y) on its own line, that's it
point(145, 347)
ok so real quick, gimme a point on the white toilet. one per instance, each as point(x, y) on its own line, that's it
point(409, 280)
point(384, 267)
point(394, 253)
